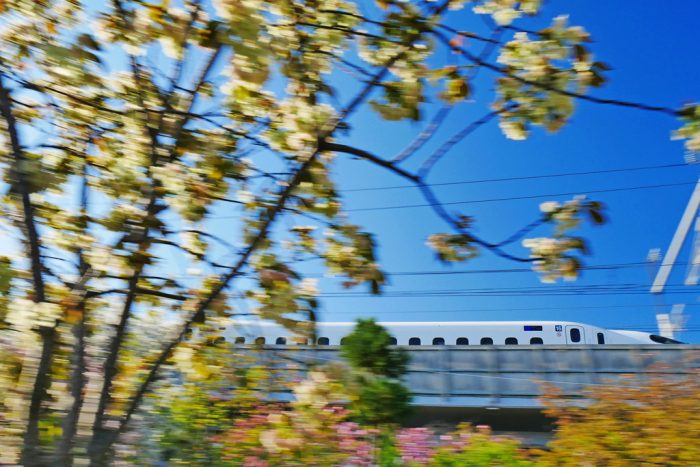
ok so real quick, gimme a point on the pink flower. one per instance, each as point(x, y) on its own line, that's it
point(415, 445)
point(251, 461)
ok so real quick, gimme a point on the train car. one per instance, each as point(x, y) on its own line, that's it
point(453, 333)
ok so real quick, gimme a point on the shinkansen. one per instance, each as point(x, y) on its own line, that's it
point(454, 333)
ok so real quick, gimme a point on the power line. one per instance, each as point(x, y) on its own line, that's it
point(599, 267)
point(594, 289)
point(514, 198)
point(489, 310)
point(625, 286)
point(497, 294)
point(530, 177)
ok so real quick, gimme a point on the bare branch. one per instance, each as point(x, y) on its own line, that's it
point(370, 157)
point(345, 62)
point(340, 29)
point(45, 89)
point(470, 35)
point(429, 196)
point(140, 290)
point(213, 237)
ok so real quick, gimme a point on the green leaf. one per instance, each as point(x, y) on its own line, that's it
point(457, 89)
point(86, 40)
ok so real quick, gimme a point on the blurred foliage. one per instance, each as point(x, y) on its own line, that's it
point(632, 423)
point(378, 365)
point(635, 423)
point(312, 430)
point(380, 401)
point(556, 256)
point(476, 447)
point(197, 402)
point(369, 347)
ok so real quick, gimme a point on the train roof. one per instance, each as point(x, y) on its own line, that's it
point(427, 323)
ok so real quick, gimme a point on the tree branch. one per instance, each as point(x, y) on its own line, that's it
point(272, 213)
point(425, 135)
point(98, 446)
point(78, 378)
point(180, 64)
point(429, 131)
point(269, 218)
point(370, 157)
point(504, 71)
point(429, 196)
point(139, 290)
point(235, 271)
point(30, 453)
point(455, 139)
point(456, 226)
point(45, 89)
point(520, 233)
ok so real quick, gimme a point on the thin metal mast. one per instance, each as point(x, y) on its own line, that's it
point(684, 225)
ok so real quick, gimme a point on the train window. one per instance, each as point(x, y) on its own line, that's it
point(260, 340)
point(575, 334)
point(240, 340)
point(323, 341)
point(536, 340)
point(462, 341)
point(281, 341)
point(663, 340)
point(511, 341)
point(486, 341)
point(343, 340)
point(601, 338)
point(392, 341)
point(438, 341)
point(414, 341)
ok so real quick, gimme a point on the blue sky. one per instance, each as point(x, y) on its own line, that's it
point(651, 47)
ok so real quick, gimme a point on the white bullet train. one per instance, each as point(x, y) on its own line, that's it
point(453, 333)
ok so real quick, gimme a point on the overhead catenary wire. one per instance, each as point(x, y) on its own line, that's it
point(580, 290)
point(599, 267)
point(510, 198)
point(594, 267)
point(526, 177)
point(508, 309)
point(516, 198)
point(497, 294)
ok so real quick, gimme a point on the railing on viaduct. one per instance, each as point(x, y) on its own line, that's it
point(508, 377)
